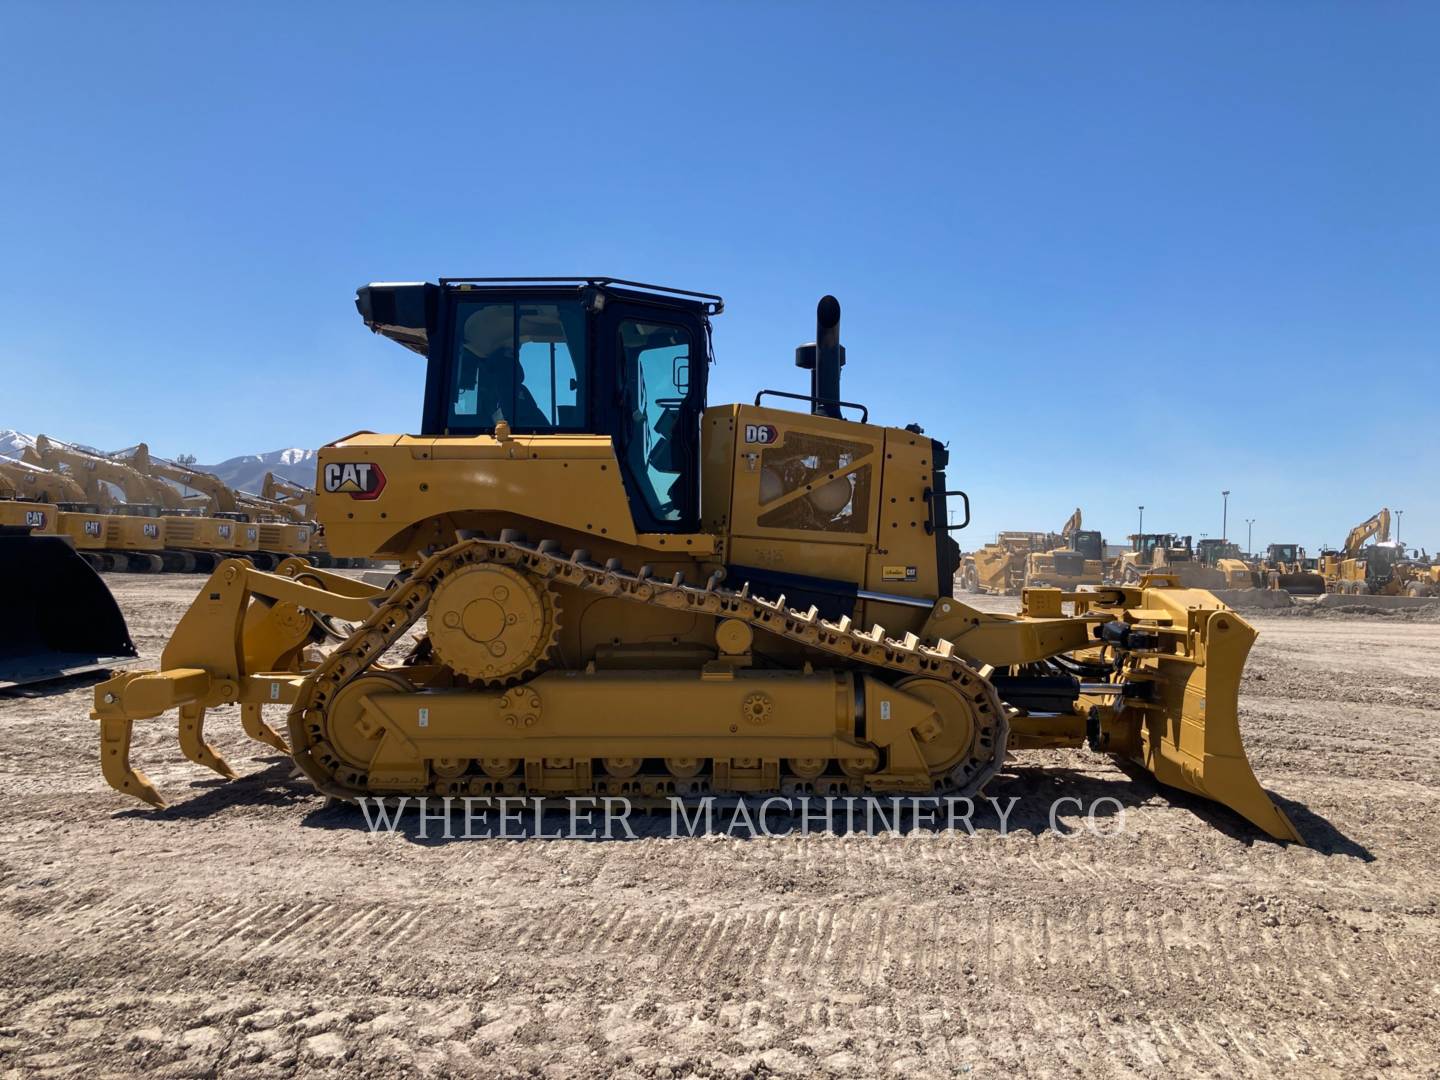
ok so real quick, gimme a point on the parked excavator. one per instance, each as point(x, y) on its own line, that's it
point(298, 497)
point(301, 500)
point(59, 618)
point(273, 528)
point(1081, 561)
point(20, 479)
point(118, 523)
point(1362, 568)
point(628, 592)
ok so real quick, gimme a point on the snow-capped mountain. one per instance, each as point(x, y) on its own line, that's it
point(14, 443)
point(245, 473)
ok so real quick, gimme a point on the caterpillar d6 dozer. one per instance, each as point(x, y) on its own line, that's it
point(613, 589)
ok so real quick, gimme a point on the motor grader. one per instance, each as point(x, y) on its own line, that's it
point(614, 588)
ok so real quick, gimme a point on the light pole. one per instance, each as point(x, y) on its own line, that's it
point(1141, 529)
point(1249, 536)
point(1225, 516)
point(1398, 515)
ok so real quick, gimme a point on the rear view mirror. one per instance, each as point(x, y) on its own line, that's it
point(680, 375)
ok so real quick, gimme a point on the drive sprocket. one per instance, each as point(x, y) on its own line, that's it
point(493, 623)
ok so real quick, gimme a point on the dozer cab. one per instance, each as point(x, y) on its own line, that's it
point(621, 590)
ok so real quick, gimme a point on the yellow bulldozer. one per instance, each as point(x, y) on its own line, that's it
point(622, 590)
point(1080, 561)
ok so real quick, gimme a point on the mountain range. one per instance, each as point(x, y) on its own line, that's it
point(245, 473)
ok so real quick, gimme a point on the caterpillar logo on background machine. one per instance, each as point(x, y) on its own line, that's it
point(627, 591)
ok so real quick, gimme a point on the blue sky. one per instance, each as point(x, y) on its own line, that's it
point(1113, 254)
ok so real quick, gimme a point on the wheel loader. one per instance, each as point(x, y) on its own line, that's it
point(617, 589)
point(58, 618)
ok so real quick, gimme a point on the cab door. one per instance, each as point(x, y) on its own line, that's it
point(658, 396)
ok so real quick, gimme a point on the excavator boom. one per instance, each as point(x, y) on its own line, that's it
point(1377, 526)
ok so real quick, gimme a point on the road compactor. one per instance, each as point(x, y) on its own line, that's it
point(611, 588)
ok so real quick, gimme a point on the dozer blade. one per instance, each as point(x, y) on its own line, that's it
point(57, 618)
point(1188, 736)
point(1302, 584)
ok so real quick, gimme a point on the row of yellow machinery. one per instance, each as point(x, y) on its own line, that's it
point(611, 587)
point(67, 513)
point(138, 512)
point(1369, 563)
point(1018, 560)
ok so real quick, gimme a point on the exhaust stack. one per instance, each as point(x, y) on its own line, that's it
point(823, 358)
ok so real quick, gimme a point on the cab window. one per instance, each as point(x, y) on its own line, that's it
point(657, 360)
point(523, 363)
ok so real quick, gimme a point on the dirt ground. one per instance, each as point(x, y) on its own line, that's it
point(251, 931)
